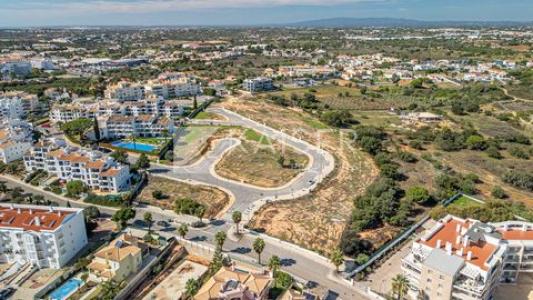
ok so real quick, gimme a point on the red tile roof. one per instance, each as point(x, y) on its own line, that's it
point(481, 251)
point(25, 218)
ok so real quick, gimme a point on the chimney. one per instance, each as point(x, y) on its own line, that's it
point(438, 245)
point(59, 213)
point(12, 207)
point(466, 241)
point(18, 210)
point(458, 239)
point(449, 248)
point(469, 255)
point(458, 228)
point(524, 227)
point(31, 212)
point(51, 209)
point(37, 221)
point(459, 252)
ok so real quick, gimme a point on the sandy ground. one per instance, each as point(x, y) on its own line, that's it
point(522, 290)
point(257, 164)
point(214, 199)
point(315, 221)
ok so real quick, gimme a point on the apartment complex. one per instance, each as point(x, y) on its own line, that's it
point(119, 126)
point(257, 84)
point(94, 169)
point(166, 86)
point(117, 261)
point(15, 139)
point(44, 237)
point(152, 106)
point(467, 259)
point(15, 69)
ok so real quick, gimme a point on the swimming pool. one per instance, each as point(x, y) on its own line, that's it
point(66, 289)
point(134, 146)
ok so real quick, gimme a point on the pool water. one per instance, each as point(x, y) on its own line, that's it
point(66, 289)
point(134, 146)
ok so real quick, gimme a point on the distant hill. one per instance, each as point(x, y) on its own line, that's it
point(395, 22)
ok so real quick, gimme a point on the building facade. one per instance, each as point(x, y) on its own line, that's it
point(95, 170)
point(257, 84)
point(44, 237)
point(467, 259)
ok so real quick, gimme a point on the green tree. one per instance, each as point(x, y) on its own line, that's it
point(258, 246)
point(183, 230)
point(75, 188)
point(191, 287)
point(120, 156)
point(399, 286)
point(143, 162)
point(336, 258)
point(498, 192)
point(199, 212)
point(147, 217)
point(417, 194)
point(236, 216)
point(274, 263)
point(122, 216)
point(220, 238)
point(96, 130)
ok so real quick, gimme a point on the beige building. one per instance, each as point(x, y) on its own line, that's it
point(120, 259)
point(236, 283)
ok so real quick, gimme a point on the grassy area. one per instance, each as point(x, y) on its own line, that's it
point(205, 115)
point(213, 199)
point(464, 201)
point(252, 135)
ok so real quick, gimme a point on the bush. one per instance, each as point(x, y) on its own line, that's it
point(352, 245)
point(338, 118)
point(476, 142)
point(75, 188)
point(157, 194)
point(518, 153)
point(498, 192)
point(493, 152)
point(186, 206)
point(407, 157)
point(417, 194)
point(519, 179)
point(416, 144)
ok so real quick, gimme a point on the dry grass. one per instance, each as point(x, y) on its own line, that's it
point(255, 163)
point(214, 199)
point(315, 221)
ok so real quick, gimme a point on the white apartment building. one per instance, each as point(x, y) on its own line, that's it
point(125, 91)
point(467, 259)
point(257, 84)
point(16, 105)
point(45, 237)
point(151, 106)
point(94, 169)
point(119, 126)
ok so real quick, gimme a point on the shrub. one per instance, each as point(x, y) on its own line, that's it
point(407, 157)
point(493, 152)
point(476, 142)
point(519, 179)
point(498, 192)
point(417, 194)
point(157, 194)
point(186, 206)
point(518, 153)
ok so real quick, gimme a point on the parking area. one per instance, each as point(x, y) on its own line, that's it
point(381, 278)
point(522, 290)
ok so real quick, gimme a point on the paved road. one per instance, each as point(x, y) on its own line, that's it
point(249, 198)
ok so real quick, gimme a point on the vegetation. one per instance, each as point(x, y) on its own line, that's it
point(258, 246)
point(188, 206)
point(75, 188)
point(122, 216)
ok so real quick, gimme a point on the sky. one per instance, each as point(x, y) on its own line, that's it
point(23, 13)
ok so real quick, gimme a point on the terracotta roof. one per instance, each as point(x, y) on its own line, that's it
point(110, 172)
point(481, 251)
point(118, 249)
point(98, 164)
point(26, 218)
point(516, 234)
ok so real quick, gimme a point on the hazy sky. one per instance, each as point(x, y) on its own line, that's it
point(246, 12)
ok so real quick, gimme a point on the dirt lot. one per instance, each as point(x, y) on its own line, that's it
point(522, 290)
point(214, 199)
point(255, 163)
point(315, 221)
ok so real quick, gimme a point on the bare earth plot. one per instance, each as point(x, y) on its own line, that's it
point(189, 143)
point(256, 163)
point(214, 199)
point(315, 221)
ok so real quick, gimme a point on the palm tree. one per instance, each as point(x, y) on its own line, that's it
point(336, 258)
point(182, 230)
point(258, 246)
point(220, 238)
point(399, 286)
point(191, 287)
point(3, 187)
point(274, 263)
point(147, 217)
point(200, 210)
point(237, 218)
